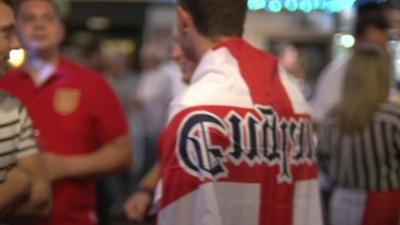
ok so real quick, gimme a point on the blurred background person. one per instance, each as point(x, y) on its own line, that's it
point(124, 82)
point(92, 56)
point(158, 84)
point(24, 188)
point(137, 206)
point(78, 118)
point(358, 146)
point(289, 58)
point(371, 27)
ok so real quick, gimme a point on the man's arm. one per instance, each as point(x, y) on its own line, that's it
point(29, 162)
point(139, 202)
point(151, 179)
point(38, 205)
point(114, 154)
point(111, 158)
point(13, 191)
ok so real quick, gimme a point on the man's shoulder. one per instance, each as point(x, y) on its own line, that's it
point(14, 73)
point(78, 73)
point(213, 89)
point(219, 81)
point(77, 68)
point(241, 48)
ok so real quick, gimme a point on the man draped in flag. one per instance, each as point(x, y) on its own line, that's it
point(238, 148)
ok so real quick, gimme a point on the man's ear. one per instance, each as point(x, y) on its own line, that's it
point(184, 17)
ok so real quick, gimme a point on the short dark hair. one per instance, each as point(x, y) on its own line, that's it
point(369, 5)
point(7, 2)
point(216, 18)
point(369, 16)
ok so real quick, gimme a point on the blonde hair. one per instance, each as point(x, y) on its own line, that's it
point(366, 85)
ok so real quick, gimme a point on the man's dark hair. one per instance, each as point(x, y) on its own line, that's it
point(371, 15)
point(368, 5)
point(7, 2)
point(217, 18)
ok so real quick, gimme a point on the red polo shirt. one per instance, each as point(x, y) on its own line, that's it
point(74, 112)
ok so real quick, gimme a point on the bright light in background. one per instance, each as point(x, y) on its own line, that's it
point(17, 57)
point(397, 65)
point(124, 46)
point(256, 4)
point(394, 47)
point(347, 4)
point(323, 4)
point(347, 40)
point(275, 6)
point(306, 6)
point(98, 23)
point(339, 5)
point(291, 5)
point(316, 3)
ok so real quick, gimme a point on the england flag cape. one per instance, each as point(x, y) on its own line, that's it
point(238, 149)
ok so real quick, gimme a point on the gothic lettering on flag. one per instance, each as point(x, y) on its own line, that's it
point(201, 153)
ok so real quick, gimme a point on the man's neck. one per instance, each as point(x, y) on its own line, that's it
point(41, 66)
point(204, 44)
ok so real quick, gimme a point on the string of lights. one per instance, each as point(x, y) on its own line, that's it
point(306, 6)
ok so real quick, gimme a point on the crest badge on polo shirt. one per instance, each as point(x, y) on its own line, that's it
point(66, 100)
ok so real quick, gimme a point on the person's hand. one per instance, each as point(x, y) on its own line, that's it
point(55, 166)
point(21, 180)
point(137, 205)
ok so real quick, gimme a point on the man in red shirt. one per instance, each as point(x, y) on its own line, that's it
point(78, 120)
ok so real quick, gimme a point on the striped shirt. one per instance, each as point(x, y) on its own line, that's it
point(368, 160)
point(16, 135)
